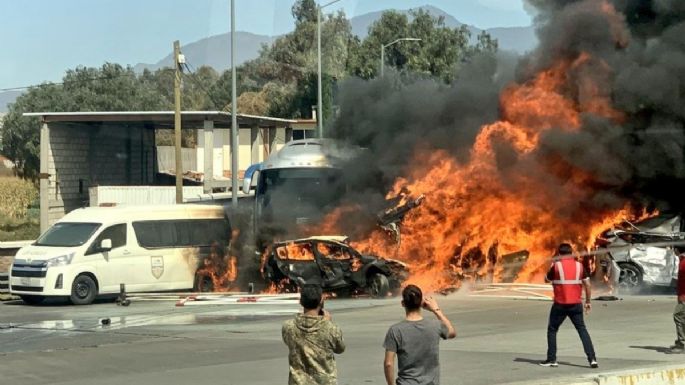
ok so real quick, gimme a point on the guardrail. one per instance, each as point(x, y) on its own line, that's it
point(7, 252)
point(9, 249)
point(4, 283)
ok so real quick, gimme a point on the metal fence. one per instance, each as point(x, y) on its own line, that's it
point(139, 195)
point(4, 283)
point(166, 158)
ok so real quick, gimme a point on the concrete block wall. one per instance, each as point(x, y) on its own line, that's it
point(83, 156)
point(110, 155)
point(68, 166)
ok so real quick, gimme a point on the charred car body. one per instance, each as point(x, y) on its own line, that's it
point(333, 264)
point(644, 251)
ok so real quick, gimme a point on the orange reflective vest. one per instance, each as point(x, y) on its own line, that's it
point(567, 281)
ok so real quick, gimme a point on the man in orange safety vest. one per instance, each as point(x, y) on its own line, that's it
point(568, 277)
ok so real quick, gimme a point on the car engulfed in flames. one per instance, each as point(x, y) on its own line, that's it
point(645, 251)
point(332, 263)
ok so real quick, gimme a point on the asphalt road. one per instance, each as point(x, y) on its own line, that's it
point(499, 341)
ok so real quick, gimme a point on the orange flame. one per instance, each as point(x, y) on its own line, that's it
point(477, 211)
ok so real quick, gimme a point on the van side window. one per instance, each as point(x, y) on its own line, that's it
point(181, 232)
point(117, 233)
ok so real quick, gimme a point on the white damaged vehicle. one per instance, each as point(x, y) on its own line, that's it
point(92, 251)
point(645, 251)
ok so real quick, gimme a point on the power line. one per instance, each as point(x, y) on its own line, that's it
point(107, 77)
point(191, 71)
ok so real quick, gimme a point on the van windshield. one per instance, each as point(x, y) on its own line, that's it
point(67, 234)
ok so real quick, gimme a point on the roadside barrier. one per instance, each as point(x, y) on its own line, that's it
point(4, 283)
point(523, 291)
point(257, 299)
point(672, 374)
point(212, 298)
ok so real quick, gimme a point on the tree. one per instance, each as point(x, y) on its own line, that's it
point(304, 11)
point(253, 103)
point(438, 54)
point(290, 64)
point(486, 43)
point(108, 88)
point(20, 135)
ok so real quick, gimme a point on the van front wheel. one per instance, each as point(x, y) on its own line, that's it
point(83, 290)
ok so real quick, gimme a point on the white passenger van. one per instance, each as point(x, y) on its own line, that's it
point(91, 251)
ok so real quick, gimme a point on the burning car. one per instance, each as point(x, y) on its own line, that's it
point(332, 263)
point(645, 250)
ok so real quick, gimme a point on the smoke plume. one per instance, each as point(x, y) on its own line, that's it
point(629, 151)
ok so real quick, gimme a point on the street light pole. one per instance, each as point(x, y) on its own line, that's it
point(384, 46)
point(234, 116)
point(319, 97)
point(177, 121)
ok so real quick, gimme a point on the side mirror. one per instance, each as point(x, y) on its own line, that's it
point(247, 181)
point(106, 245)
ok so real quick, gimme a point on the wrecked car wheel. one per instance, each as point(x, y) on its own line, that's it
point(631, 276)
point(203, 284)
point(379, 287)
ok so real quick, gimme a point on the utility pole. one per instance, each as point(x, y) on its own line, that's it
point(234, 116)
point(319, 101)
point(178, 60)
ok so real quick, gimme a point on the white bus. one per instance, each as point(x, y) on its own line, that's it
point(91, 251)
point(297, 185)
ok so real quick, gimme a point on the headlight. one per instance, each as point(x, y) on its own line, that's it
point(62, 260)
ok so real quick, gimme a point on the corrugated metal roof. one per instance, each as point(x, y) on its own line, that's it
point(220, 118)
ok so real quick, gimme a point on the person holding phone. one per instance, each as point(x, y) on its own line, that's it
point(312, 339)
point(415, 341)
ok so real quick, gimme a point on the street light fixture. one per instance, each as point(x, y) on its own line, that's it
point(383, 46)
point(319, 103)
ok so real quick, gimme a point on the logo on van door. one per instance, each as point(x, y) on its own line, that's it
point(157, 266)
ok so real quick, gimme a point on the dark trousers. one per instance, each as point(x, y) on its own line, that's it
point(679, 318)
point(557, 315)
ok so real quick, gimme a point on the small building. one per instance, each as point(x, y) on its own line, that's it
point(79, 150)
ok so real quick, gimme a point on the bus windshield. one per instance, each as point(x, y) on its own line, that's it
point(303, 194)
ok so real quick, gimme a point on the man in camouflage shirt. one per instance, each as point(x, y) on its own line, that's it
point(312, 338)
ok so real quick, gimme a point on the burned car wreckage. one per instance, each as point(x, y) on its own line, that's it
point(332, 263)
point(646, 251)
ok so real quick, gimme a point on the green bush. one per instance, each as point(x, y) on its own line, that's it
point(18, 230)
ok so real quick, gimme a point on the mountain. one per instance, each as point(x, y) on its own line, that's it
point(215, 51)
point(6, 98)
point(360, 24)
point(517, 39)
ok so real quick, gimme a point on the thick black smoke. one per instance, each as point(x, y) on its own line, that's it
point(393, 116)
point(640, 158)
point(638, 62)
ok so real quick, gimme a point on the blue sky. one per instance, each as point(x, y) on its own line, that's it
point(43, 38)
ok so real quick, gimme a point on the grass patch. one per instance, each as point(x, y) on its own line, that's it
point(18, 230)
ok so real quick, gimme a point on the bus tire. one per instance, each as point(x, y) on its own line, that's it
point(83, 290)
